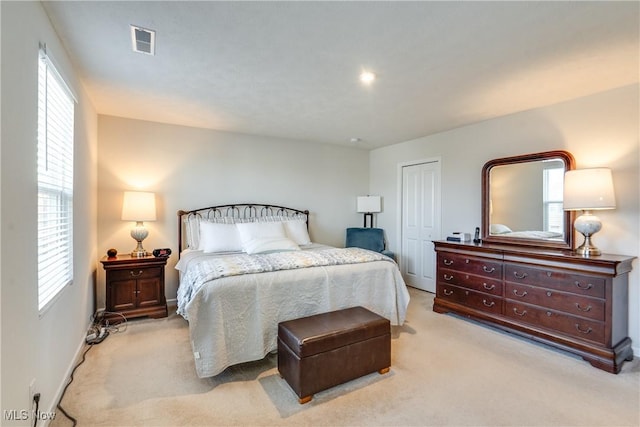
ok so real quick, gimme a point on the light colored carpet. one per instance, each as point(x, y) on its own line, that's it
point(445, 371)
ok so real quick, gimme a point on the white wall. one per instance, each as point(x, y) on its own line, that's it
point(33, 346)
point(599, 130)
point(190, 168)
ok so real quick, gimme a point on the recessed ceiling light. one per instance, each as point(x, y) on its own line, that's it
point(367, 77)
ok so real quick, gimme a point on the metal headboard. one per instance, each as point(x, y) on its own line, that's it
point(236, 210)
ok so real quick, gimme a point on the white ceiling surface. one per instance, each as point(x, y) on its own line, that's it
point(290, 69)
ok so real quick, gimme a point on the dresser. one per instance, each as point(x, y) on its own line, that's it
point(555, 297)
point(134, 286)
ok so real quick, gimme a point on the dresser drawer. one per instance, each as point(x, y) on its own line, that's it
point(471, 281)
point(135, 273)
point(574, 304)
point(470, 298)
point(555, 279)
point(556, 321)
point(472, 265)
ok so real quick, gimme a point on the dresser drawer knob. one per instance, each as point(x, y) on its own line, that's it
point(447, 292)
point(583, 331)
point(579, 307)
point(448, 277)
point(520, 276)
point(447, 261)
point(489, 288)
point(584, 287)
point(515, 310)
point(549, 314)
point(549, 293)
point(488, 270)
point(134, 274)
point(549, 274)
point(467, 261)
point(523, 294)
point(488, 304)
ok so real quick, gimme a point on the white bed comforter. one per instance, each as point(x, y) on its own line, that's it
point(233, 314)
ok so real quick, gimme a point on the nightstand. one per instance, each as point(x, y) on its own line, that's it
point(135, 286)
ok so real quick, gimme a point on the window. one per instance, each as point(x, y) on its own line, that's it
point(553, 210)
point(55, 182)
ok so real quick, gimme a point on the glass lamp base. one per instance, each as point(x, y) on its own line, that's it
point(588, 225)
point(139, 233)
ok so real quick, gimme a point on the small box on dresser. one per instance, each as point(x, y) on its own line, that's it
point(559, 298)
point(134, 286)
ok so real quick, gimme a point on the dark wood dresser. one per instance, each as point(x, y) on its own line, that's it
point(135, 286)
point(556, 297)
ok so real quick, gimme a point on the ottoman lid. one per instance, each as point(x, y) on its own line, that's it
point(327, 331)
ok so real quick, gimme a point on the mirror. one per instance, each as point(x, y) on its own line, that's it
point(522, 200)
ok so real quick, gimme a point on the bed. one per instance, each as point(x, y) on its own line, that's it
point(246, 267)
point(504, 231)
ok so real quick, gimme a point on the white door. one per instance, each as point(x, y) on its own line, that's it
point(420, 223)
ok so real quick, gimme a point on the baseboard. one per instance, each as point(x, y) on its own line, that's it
point(58, 394)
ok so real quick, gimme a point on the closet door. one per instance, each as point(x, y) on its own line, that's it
point(420, 223)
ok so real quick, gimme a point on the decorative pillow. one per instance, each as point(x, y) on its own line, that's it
point(215, 237)
point(192, 229)
point(499, 229)
point(258, 230)
point(270, 244)
point(297, 231)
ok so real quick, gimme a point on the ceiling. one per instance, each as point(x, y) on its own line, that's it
point(290, 69)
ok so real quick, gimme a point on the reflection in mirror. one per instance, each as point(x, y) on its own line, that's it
point(522, 200)
point(526, 198)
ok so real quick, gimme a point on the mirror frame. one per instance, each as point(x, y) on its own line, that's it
point(567, 242)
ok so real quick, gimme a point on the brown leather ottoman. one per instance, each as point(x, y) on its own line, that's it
point(322, 351)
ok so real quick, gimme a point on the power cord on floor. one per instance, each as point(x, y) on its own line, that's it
point(96, 325)
point(36, 399)
point(59, 406)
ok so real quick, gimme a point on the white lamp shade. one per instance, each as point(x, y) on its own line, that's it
point(139, 206)
point(368, 204)
point(588, 189)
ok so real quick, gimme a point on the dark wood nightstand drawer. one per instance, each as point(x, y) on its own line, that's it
point(136, 273)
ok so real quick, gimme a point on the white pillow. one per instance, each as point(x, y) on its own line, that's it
point(499, 229)
point(216, 237)
point(258, 230)
point(269, 244)
point(297, 231)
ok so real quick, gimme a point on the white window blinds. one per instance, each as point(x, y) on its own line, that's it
point(55, 182)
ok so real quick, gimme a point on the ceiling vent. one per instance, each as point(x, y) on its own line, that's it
point(143, 40)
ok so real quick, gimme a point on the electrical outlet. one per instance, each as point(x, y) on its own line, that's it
point(32, 390)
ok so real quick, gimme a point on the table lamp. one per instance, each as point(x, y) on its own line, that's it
point(588, 190)
point(368, 205)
